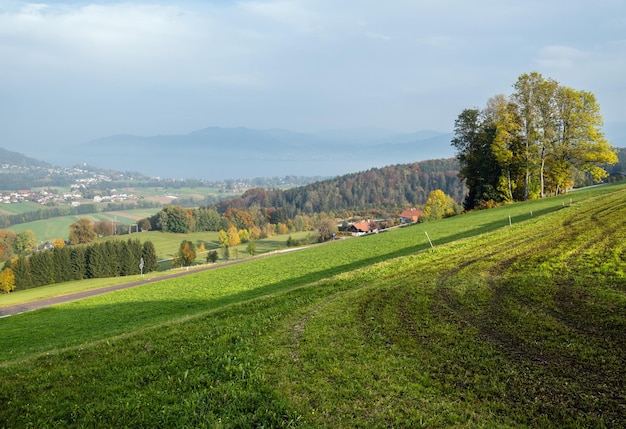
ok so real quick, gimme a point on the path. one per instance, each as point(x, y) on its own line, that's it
point(62, 299)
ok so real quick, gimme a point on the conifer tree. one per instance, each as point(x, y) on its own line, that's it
point(149, 255)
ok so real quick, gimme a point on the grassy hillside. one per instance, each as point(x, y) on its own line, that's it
point(507, 326)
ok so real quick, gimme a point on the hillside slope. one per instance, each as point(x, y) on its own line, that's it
point(508, 326)
point(393, 187)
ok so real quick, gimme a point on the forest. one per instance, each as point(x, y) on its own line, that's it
point(390, 188)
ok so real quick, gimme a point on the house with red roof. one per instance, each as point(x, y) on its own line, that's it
point(410, 215)
point(363, 227)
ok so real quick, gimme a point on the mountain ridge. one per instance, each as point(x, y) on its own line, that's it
point(218, 151)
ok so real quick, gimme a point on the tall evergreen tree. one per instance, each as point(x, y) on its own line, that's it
point(97, 261)
point(61, 257)
point(149, 255)
point(78, 262)
point(42, 268)
point(21, 270)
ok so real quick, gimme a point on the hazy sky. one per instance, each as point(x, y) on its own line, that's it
point(72, 71)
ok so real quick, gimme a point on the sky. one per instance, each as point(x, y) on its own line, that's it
point(74, 71)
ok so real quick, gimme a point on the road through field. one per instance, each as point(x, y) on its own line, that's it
point(62, 299)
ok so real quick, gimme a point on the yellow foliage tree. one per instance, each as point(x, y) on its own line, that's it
point(233, 236)
point(439, 205)
point(7, 280)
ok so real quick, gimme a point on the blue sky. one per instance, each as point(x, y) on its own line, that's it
point(73, 71)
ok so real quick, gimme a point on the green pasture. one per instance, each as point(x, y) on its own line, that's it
point(198, 193)
point(166, 246)
point(50, 229)
point(512, 320)
point(17, 208)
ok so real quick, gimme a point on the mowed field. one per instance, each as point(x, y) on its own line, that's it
point(514, 319)
point(59, 227)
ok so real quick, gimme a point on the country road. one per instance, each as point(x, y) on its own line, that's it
point(62, 299)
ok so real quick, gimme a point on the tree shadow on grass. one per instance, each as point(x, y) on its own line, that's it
point(74, 323)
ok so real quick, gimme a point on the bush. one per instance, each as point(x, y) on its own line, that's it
point(211, 257)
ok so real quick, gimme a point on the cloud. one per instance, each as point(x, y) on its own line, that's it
point(127, 44)
point(155, 66)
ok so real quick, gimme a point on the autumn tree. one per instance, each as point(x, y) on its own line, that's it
point(563, 131)
point(507, 145)
point(244, 235)
point(7, 280)
point(103, 229)
point(58, 243)
point(25, 242)
point(186, 254)
point(81, 232)
point(233, 236)
point(531, 143)
point(439, 205)
point(326, 228)
point(240, 218)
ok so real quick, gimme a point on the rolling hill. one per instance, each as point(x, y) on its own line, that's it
point(514, 319)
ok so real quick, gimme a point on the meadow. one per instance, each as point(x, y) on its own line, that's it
point(58, 227)
point(514, 319)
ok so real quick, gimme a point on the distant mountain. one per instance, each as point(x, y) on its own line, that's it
point(219, 153)
point(20, 160)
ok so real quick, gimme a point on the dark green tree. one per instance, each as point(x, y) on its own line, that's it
point(21, 270)
point(78, 262)
point(473, 139)
point(97, 261)
point(61, 257)
point(149, 255)
point(42, 268)
point(211, 256)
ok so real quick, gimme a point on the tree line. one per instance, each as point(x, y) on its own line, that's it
point(538, 141)
point(390, 188)
point(66, 263)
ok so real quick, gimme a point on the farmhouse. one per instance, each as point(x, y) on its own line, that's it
point(363, 227)
point(410, 215)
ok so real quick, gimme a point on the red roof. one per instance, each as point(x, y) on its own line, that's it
point(363, 226)
point(411, 214)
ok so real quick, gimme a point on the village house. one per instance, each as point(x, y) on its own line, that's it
point(410, 215)
point(363, 227)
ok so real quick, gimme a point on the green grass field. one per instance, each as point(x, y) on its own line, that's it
point(17, 208)
point(512, 320)
point(58, 227)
